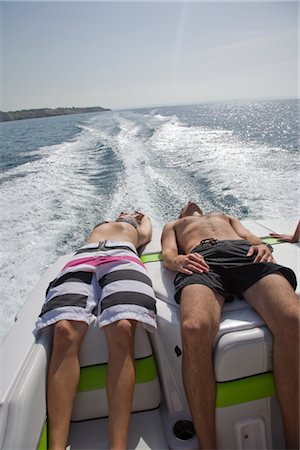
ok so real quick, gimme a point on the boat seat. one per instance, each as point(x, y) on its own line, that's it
point(91, 401)
point(247, 411)
point(243, 345)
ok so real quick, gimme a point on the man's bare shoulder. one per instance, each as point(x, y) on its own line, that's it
point(169, 225)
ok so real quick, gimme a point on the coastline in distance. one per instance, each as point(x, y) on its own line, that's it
point(47, 112)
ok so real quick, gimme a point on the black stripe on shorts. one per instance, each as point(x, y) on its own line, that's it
point(123, 275)
point(76, 300)
point(71, 277)
point(128, 298)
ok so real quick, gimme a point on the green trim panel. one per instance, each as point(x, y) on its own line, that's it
point(229, 393)
point(271, 240)
point(94, 377)
point(151, 257)
point(245, 390)
point(43, 444)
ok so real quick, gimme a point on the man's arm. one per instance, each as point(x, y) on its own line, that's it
point(144, 230)
point(262, 251)
point(188, 264)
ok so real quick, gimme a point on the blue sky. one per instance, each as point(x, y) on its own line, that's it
point(135, 54)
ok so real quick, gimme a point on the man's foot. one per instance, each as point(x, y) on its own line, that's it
point(190, 209)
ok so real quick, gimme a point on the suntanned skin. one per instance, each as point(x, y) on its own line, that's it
point(191, 230)
point(64, 369)
point(200, 312)
point(124, 232)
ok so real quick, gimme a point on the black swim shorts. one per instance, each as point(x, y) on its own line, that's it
point(231, 271)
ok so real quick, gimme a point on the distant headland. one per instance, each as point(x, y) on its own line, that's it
point(47, 112)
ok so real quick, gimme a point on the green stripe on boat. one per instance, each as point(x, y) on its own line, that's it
point(94, 377)
point(245, 390)
point(151, 257)
point(43, 444)
point(270, 240)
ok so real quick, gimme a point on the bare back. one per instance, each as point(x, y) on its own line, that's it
point(193, 229)
point(124, 231)
point(115, 231)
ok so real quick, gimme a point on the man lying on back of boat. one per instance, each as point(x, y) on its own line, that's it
point(216, 257)
point(104, 282)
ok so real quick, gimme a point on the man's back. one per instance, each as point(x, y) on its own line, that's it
point(116, 231)
point(135, 228)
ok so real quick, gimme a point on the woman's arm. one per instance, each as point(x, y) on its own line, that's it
point(288, 237)
point(144, 230)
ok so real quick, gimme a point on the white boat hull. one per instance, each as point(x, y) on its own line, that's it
point(247, 413)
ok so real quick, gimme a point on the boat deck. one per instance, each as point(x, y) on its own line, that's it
point(146, 432)
point(243, 354)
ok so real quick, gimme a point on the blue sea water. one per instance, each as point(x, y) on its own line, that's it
point(61, 175)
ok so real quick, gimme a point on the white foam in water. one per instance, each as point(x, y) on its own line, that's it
point(37, 210)
point(131, 151)
point(132, 192)
point(262, 178)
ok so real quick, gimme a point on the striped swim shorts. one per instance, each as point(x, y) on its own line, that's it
point(103, 282)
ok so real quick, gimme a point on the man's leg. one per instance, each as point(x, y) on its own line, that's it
point(275, 300)
point(200, 318)
point(120, 380)
point(63, 377)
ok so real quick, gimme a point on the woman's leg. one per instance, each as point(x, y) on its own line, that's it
point(63, 377)
point(120, 380)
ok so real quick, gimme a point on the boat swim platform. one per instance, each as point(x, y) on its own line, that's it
point(247, 412)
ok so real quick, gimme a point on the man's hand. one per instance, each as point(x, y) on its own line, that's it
point(190, 263)
point(138, 216)
point(262, 251)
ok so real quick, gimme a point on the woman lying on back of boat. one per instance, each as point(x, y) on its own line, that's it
point(94, 287)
